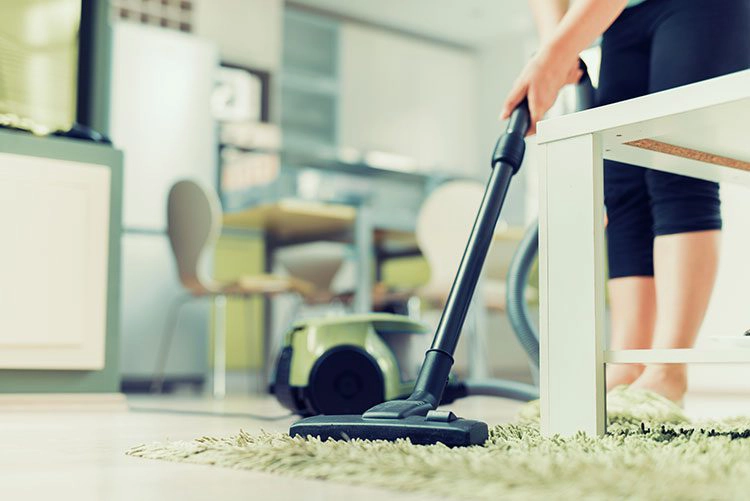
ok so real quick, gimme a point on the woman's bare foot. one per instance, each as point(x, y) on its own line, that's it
point(619, 374)
point(668, 380)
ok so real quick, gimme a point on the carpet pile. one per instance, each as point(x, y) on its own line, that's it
point(651, 451)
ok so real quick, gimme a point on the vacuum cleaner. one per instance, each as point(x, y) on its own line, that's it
point(416, 417)
point(345, 365)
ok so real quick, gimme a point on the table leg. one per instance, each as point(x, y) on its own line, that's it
point(363, 243)
point(571, 259)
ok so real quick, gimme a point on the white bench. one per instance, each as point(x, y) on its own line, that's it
point(700, 130)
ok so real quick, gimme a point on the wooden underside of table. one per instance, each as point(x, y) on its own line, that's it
point(681, 151)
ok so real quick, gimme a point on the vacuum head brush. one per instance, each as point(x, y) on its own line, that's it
point(436, 427)
point(414, 418)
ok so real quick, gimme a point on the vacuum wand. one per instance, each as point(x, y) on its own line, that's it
point(506, 161)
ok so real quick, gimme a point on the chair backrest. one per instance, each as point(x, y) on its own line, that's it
point(193, 225)
point(443, 227)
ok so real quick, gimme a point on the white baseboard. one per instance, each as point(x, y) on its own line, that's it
point(63, 402)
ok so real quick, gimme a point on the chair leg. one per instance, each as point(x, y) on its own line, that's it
point(170, 327)
point(220, 348)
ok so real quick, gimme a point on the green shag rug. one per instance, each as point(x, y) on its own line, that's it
point(651, 451)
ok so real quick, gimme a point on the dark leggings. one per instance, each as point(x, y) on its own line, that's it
point(654, 46)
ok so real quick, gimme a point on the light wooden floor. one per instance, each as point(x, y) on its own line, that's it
point(75, 454)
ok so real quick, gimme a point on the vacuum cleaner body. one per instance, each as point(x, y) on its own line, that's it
point(345, 365)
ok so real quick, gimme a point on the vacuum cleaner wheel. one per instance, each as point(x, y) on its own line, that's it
point(345, 380)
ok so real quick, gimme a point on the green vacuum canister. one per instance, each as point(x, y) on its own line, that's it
point(347, 364)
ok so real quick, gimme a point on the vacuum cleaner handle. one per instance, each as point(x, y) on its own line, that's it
point(584, 89)
point(506, 161)
point(519, 120)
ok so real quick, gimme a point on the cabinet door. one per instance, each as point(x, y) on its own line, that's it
point(54, 215)
point(408, 97)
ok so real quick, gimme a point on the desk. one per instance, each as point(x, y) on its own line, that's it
point(294, 221)
point(317, 199)
point(699, 130)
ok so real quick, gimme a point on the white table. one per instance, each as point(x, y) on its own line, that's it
point(700, 130)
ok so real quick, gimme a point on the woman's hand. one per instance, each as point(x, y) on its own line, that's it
point(541, 80)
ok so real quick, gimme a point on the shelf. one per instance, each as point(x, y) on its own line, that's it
point(679, 356)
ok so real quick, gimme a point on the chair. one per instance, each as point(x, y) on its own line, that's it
point(194, 221)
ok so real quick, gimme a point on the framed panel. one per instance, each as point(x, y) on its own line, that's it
point(53, 263)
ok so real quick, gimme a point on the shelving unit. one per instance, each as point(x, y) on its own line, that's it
point(310, 86)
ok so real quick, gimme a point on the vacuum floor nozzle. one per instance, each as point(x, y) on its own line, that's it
point(436, 427)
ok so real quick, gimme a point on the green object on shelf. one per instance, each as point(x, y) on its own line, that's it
point(39, 60)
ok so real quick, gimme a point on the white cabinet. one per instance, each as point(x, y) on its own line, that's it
point(408, 97)
point(248, 32)
point(53, 263)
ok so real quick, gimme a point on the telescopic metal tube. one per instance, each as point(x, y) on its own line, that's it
point(506, 161)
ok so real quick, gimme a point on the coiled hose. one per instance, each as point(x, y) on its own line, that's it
point(516, 305)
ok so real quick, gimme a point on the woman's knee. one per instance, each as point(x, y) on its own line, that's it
point(681, 204)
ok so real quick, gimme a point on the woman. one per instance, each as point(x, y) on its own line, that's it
point(663, 230)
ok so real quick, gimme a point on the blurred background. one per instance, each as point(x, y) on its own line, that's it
point(337, 151)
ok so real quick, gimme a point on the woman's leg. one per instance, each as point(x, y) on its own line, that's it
point(685, 266)
point(632, 302)
point(693, 41)
point(624, 75)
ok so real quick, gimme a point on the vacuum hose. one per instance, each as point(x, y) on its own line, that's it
point(525, 255)
point(520, 319)
point(516, 306)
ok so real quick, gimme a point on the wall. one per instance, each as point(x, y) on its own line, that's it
point(729, 310)
point(248, 32)
point(500, 62)
point(409, 97)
